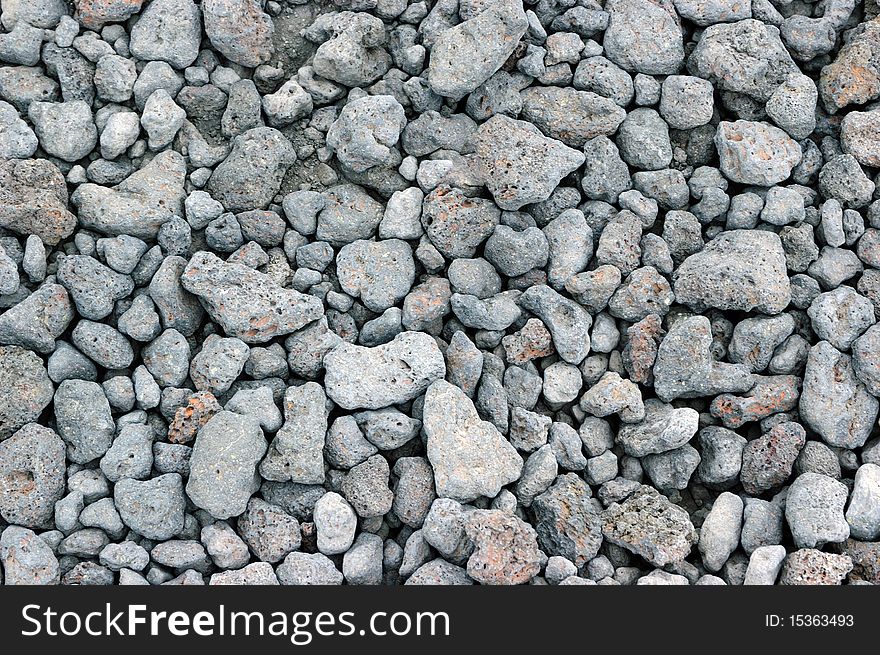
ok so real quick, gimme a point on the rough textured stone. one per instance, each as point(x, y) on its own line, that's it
point(372, 378)
point(469, 456)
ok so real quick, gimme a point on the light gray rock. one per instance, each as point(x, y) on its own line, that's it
point(469, 456)
point(223, 466)
point(756, 153)
point(863, 513)
point(720, 532)
point(373, 378)
point(335, 524)
point(466, 55)
point(152, 508)
point(814, 510)
point(738, 270)
point(248, 304)
point(833, 402)
point(296, 452)
point(519, 164)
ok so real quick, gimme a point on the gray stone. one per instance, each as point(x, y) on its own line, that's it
point(746, 57)
point(153, 508)
point(469, 456)
point(269, 531)
point(65, 129)
point(240, 30)
point(756, 153)
point(567, 321)
point(814, 510)
point(466, 55)
point(650, 526)
point(685, 367)
point(373, 378)
point(567, 522)
point(720, 532)
point(308, 569)
point(27, 559)
point(335, 524)
point(505, 548)
point(251, 175)
point(738, 270)
point(38, 320)
point(83, 419)
point(168, 30)
point(140, 204)
point(223, 466)
point(644, 37)
point(570, 115)
point(833, 401)
point(379, 273)
point(32, 476)
point(863, 513)
point(366, 131)
point(248, 304)
point(520, 165)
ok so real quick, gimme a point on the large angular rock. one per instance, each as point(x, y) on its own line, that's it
point(33, 200)
point(248, 304)
point(468, 54)
point(854, 76)
point(834, 403)
point(685, 367)
point(457, 224)
point(250, 177)
point(505, 548)
point(380, 273)
point(240, 30)
point(366, 131)
point(756, 153)
point(567, 521)
point(650, 526)
point(38, 320)
point(574, 117)
point(469, 456)
point(644, 36)
point(296, 453)
point(745, 57)
point(164, 23)
point(25, 388)
point(153, 508)
point(93, 287)
point(27, 559)
point(519, 164)
point(814, 510)
point(740, 270)
point(32, 476)
point(223, 467)
point(373, 378)
point(140, 204)
point(351, 51)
